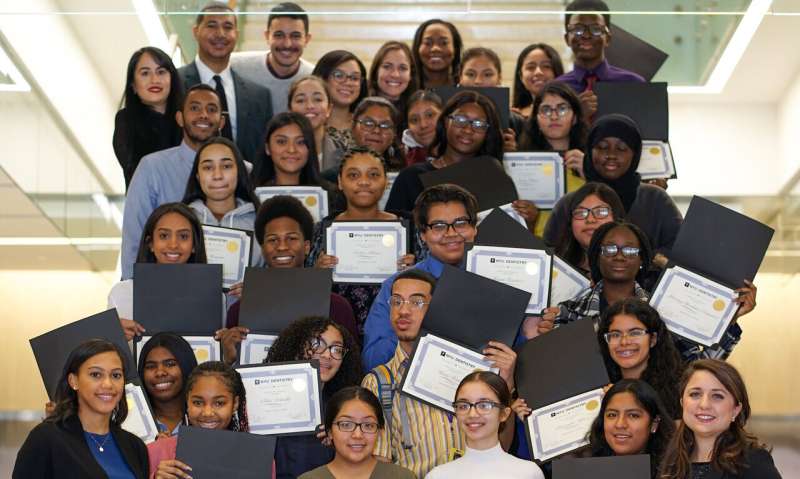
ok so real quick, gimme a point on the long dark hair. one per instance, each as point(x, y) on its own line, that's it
point(391, 157)
point(648, 399)
point(376, 64)
point(532, 137)
point(458, 44)
point(350, 393)
point(178, 347)
point(730, 446)
point(522, 97)
point(567, 246)
point(244, 189)
point(293, 345)
point(66, 398)
point(232, 381)
point(328, 63)
point(664, 362)
point(645, 251)
point(131, 101)
point(492, 142)
point(264, 173)
point(145, 255)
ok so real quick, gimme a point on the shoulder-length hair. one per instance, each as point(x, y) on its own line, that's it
point(532, 137)
point(376, 64)
point(645, 250)
point(177, 346)
point(458, 45)
point(492, 142)
point(328, 63)
point(522, 97)
point(132, 102)
point(730, 446)
point(66, 398)
point(146, 255)
point(264, 173)
point(244, 189)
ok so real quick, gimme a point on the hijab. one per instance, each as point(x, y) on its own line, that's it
point(624, 128)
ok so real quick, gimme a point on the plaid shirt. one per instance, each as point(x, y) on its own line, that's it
point(587, 306)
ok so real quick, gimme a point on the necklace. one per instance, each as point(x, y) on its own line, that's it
point(99, 446)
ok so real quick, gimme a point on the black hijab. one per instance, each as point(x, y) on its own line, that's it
point(624, 128)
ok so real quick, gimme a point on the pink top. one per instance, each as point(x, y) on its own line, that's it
point(163, 449)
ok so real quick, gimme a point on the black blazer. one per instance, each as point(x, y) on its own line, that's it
point(253, 110)
point(60, 450)
point(759, 465)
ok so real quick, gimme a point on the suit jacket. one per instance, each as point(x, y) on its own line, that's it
point(759, 465)
point(60, 450)
point(253, 110)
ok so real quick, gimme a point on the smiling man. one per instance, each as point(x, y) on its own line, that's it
point(287, 36)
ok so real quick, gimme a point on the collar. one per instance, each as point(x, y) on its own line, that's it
point(207, 75)
point(185, 152)
point(638, 291)
point(284, 77)
point(432, 265)
point(600, 71)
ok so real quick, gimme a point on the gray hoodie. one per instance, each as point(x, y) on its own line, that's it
point(242, 217)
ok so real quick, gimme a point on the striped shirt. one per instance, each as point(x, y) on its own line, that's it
point(433, 432)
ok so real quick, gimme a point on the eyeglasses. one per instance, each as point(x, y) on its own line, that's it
point(370, 124)
point(611, 250)
point(483, 407)
point(616, 336)
point(561, 110)
point(319, 346)
point(415, 301)
point(599, 212)
point(581, 29)
point(350, 426)
point(461, 122)
point(341, 76)
point(460, 225)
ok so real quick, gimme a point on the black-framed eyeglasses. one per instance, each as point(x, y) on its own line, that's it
point(350, 426)
point(415, 301)
point(616, 336)
point(319, 346)
point(483, 407)
point(599, 212)
point(581, 29)
point(341, 76)
point(370, 124)
point(561, 110)
point(460, 225)
point(461, 122)
point(611, 250)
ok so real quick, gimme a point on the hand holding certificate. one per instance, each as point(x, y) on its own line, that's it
point(539, 177)
point(231, 248)
point(367, 250)
point(525, 269)
point(314, 198)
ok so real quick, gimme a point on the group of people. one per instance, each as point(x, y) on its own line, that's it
point(195, 142)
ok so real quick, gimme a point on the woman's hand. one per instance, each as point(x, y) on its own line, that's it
point(326, 261)
point(521, 409)
point(573, 160)
point(747, 298)
point(131, 328)
point(322, 435)
point(172, 469)
point(509, 140)
point(660, 182)
point(406, 261)
point(503, 358)
point(548, 319)
point(230, 339)
point(236, 290)
point(530, 326)
point(527, 210)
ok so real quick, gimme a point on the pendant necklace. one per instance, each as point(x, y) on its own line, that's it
point(99, 446)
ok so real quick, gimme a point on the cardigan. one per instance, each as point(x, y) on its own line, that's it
point(60, 450)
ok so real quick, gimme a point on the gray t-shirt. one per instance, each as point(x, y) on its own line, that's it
point(253, 66)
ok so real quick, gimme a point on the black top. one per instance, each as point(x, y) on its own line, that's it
point(758, 464)
point(297, 454)
point(60, 450)
point(407, 186)
point(134, 140)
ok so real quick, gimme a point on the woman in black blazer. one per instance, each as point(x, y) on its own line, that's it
point(82, 437)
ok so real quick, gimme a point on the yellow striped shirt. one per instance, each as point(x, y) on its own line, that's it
point(433, 432)
point(573, 183)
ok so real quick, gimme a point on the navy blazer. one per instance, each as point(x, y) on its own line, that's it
point(60, 450)
point(253, 110)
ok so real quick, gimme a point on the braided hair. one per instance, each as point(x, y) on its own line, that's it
point(232, 381)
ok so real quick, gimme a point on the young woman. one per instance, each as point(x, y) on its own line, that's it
point(375, 122)
point(424, 108)
point(537, 64)
point(711, 440)
point(637, 345)
point(288, 146)
point(362, 180)
point(437, 53)
point(82, 437)
point(632, 420)
point(309, 96)
point(339, 367)
point(165, 363)
point(219, 189)
point(171, 235)
point(354, 418)
point(482, 406)
point(146, 123)
point(346, 79)
point(393, 75)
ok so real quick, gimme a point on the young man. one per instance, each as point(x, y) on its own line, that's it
point(247, 105)
point(162, 176)
point(287, 36)
point(445, 216)
point(588, 35)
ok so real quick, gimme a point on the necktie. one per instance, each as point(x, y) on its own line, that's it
point(590, 81)
point(227, 130)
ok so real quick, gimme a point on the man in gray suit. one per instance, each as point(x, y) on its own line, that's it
point(247, 106)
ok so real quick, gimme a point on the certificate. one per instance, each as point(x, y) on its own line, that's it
point(231, 248)
point(283, 398)
point(693, 306)
point(539, 177)
point(314, 198)
point(525, 269)
point(567, 282)
point(254, 348)
point(656, 161)
point(139, 421)
point(205, 348)
point(367, 250)
point(437, 368)
point(562, 427)
point(390, 177)
point(508, 209)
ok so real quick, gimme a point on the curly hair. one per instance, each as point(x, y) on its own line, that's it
point(645, 250)
point(283, 206)
point(293, 344)
point(232, 381)
point(663, 363)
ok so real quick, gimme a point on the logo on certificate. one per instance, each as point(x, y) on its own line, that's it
point(719, 305)
point(310, 201)
point(232, 246)
point(201, 355)
point(547, 169)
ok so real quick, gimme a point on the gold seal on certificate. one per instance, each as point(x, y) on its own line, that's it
point(231, 248)
point(139, 420)
point(367, 250)
point(205, 348)
point(314, 198)
point(538, 176)
point(563, 426)
point(656, 161)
